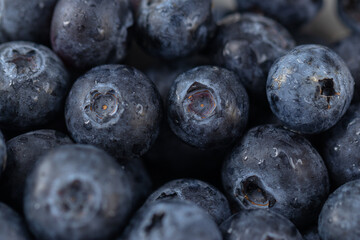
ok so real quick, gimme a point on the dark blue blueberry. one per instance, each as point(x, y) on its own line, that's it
point(341, 148)
point(208, 107)
point(3, 154)
point(26, 20)
point(349, 12)
point(290, 13)
point(195, 191)
point(33, 85)
point(259, 224)
point(273, 168)
point(171, 219)
point(248, 44)
point(173, 28)
point(114, 107)
point(339, 217)
point(12, 226)
point(23, 153)
point(77, 192)
point(309, 89)
point(88, 33)
point(349, 49)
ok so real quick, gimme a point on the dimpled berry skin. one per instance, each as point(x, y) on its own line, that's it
point(291, 14)
point(3, 154)
point(276, 169)
point(33, 85)
point(259, 224)
point(248, 44)
point(88, 33)
point(173, 28)
point(339, 217)
point(171, 219)
point(309, 89)
point(202, 194)
point(23, 153)
point(77, 192)
point(114, 107)
point(341, 148)
point(12, 227)
point(208, 107)
point(26, 20)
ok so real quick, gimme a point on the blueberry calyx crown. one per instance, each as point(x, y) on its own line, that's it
point(103, 104)
point(21, 62)
point(199, 101)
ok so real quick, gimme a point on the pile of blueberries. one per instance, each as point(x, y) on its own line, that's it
point(177, 120)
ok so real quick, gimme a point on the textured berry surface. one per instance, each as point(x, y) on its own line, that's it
point(77, 192)
point(208, 107)
point(88, 33)
point(273, 168)
point(309, 89)
point(339, 218)
point(33, 85)
point(114, 107)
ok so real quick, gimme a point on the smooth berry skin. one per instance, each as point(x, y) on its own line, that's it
point(248, 44)
point(339, 217)
point(208, 107)
point(12, 226)
point(201, 193)
point(26, 20)
point(171, 219)
point(86, 34)
point(77, 192)
point(23, 153)
point(309, 89)
point(173, 28)
point(33, 85)
point(340, 148)
point(3, 154)
point(349, 13)
point(276, 169)
point(349, 49)
point(116, 108)
point(259, 224)
point(292, 14)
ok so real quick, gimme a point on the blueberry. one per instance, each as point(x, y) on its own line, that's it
point(273, 168)
point(114, 107)
point(339, 217)
point(173, 28)
point(309, 89)
point(12, 225)
point(33, 85)
point(341, 148)
point(90, 33)
point(77, 192)
point(248, 44)
point(171, 219)
point(208, 107)
point(259, 224)
point(23, 153)
point(292, 14)
point(195, 191)
point(349, 49)
point(3, 154)
point(349, 13)
point(26, 20)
